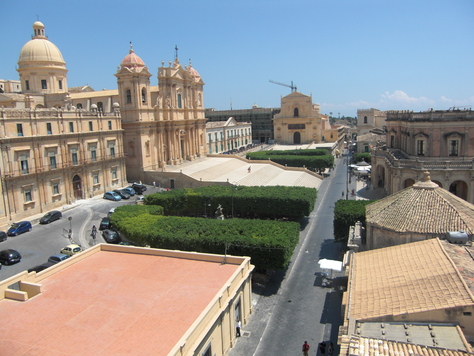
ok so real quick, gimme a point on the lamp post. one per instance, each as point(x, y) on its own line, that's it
point(234, 185)
point(70, 226)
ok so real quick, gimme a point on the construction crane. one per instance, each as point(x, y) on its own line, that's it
point(293, 88)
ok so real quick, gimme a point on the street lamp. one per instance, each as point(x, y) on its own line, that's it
point(234, 185)
point(70, 226)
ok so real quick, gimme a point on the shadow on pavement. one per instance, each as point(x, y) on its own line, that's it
point(267, 284)
point(332, 315)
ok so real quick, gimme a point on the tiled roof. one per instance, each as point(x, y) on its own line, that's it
point(463, 258)
point(404, 279)
point(423, 208)
point(363, 346)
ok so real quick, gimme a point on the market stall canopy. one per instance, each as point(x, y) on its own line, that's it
point(330, 264)
point(363, 163)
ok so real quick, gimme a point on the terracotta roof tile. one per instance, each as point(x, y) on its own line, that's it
point(407, 278)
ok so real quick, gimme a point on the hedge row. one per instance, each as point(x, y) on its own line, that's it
point(346, 214)
point(270, 244)
point(274, 202)
point(315, 160)
point(359, 157)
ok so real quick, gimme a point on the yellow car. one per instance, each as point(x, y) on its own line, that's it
point(71, 250)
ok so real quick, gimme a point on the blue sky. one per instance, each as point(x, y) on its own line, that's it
point(349, 54)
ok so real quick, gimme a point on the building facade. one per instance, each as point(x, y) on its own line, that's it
point(300, 122)
point(260, 118)
point(369, 119)
point(52, 153)
point(228, 136)
point(441, 141)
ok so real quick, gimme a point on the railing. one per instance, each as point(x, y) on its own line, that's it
point(400, 159)
point(46, 168)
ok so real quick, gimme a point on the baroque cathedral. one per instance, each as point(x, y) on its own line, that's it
point(59, 143)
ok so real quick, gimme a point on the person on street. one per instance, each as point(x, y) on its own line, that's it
point(306, 348)
point(94, 231)
point(330, 349)
point(239, 325)
point(322, 347)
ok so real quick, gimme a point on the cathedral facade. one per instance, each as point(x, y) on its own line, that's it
point(60, 144)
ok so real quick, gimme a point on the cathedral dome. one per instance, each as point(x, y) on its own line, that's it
point(40, 49)
point(194, 73)
point(132, 60)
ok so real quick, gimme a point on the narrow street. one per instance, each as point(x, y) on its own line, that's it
point(293, 306)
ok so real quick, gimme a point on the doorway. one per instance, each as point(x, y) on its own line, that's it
point(296, 138)
point(77, 187)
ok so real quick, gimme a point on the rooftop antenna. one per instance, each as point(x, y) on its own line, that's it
point(230, 103)
point(293, 88)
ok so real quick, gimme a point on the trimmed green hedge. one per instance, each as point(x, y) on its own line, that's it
point(315, 160)
point(359, 157)
point(275, 202)
point(270, 244)
point(346, 214)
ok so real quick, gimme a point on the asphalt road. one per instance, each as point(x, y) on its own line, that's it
point(43, 241)
point(294, 306)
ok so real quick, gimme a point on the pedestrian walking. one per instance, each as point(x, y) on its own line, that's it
point(249, 169)
point(330, 349)
point(322, 347)
point(343, 194)
point(305, 348)
point(154, 184)
point(238, 326)
point(94, 231)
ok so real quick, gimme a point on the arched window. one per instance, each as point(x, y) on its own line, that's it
point(129, 96)
point(143, 95)
point(296, 112)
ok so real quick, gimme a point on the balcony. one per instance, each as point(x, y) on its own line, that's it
point(399, 159)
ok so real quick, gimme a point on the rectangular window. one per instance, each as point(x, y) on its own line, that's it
point(74, 157)
point(93, 153)
point(420, 147)
point(24, 164)
point(52, 159)
point(49, 128)
point(453, 147)
point(209, 137)
point(27, 84)
point(91, 127)
point(55, 188)
point(28, 196)
point(71, 127)
point(60, 84)
point(392, 141)
point(217, 148)
point(96, 178)
point(112, 152)
point(44, 85)
point(208, 351)
point(19, 129)
point(114, 173)
point(109, 123)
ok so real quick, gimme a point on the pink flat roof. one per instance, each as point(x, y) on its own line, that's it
point(112, 303)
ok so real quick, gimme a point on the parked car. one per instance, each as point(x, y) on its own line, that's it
point(111, 211)
point(57, 258)
point(3, 236)
point(123, 193)
point(111, 236)
point(130, 191)
point(140, 200)
point(41, 267)
point(139, 188)
point(112, 196)
point(51, 216)
point(19, 228)
point(71, 250)
point(9, 257)
point(105, 223)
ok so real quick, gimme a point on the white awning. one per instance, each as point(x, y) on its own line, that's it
point(330, 264)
